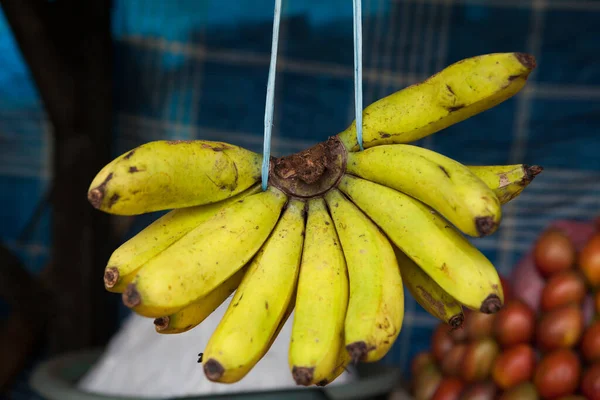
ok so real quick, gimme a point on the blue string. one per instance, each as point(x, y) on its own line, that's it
point(358, 90)
point(270, 97)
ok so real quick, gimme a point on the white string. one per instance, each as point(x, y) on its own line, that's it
point(358, 90)
point(269, 106)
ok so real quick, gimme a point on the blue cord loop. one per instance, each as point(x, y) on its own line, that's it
point(269, 106)
point(270, 97)
point(358, 90)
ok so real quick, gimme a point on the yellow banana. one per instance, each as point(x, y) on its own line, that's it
point(507, 181)
point(204, 258)
point(343, 361)
point(438, 181)
point(284, 319)
point(428, 293)
point(430, 241)
point(244, 334)
point(376, 305)
point(321, 301)
point(159, 235)
point(163, 175)
point(456, 93)
point(191, 316)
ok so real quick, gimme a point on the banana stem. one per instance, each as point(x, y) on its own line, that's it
point(312, 172)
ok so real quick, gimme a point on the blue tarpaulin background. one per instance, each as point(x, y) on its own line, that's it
point(188, 69)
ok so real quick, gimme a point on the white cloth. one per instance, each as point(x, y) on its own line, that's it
point(140, 362)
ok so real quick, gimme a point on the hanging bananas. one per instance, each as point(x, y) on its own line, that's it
point(456, 93)
point(333, 238)
point(264, 296)
point(321, 301)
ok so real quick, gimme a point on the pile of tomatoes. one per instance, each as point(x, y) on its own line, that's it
point(543, 344)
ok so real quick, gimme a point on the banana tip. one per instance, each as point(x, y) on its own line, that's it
point(161, 323)
point(131, 296)
point(485, 225)
point(213, 370)
point(527, 60)
point(534, 170)
point(303, 375)
point(357, 351)
point(111, 277)
point(95, 197)
point(456, 321)
point(491, 304)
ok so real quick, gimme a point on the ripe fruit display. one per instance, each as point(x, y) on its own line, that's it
point(558, 374)
point(478, 325)
point(589, 260)
point(452, 362)
point(335, 234)
point(590, 343)
point(554, 252)
point(567, 287)
point(478, 359)
point(544, 343)
point(514, 366)
point(514, 324)
point(448, 389)
point(483, 390)
point(560, 328)
point(590, 382)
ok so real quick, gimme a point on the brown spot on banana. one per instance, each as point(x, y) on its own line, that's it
point(491, 305)
point(485, 225)
point(526, 59)
point(128, 156)
point(303, 375)
point(131, 296)
point(455, 108)
point(444, 170)
point(113, 199)
point(535, 170)
point(233, 185)
point(358, 351)
point(213, 370)
point(179, 141)
point(219, 147)
point(133, 169)
point(530, 173)
point(436, 304)
point(238, 302)
point(111, 277)
point(96, 195)
point(456, 321)
point(444, 269)
point(161, 323)
point(504, 181)
point(237, 176)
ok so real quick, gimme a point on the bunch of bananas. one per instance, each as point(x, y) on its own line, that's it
point(333, 237)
